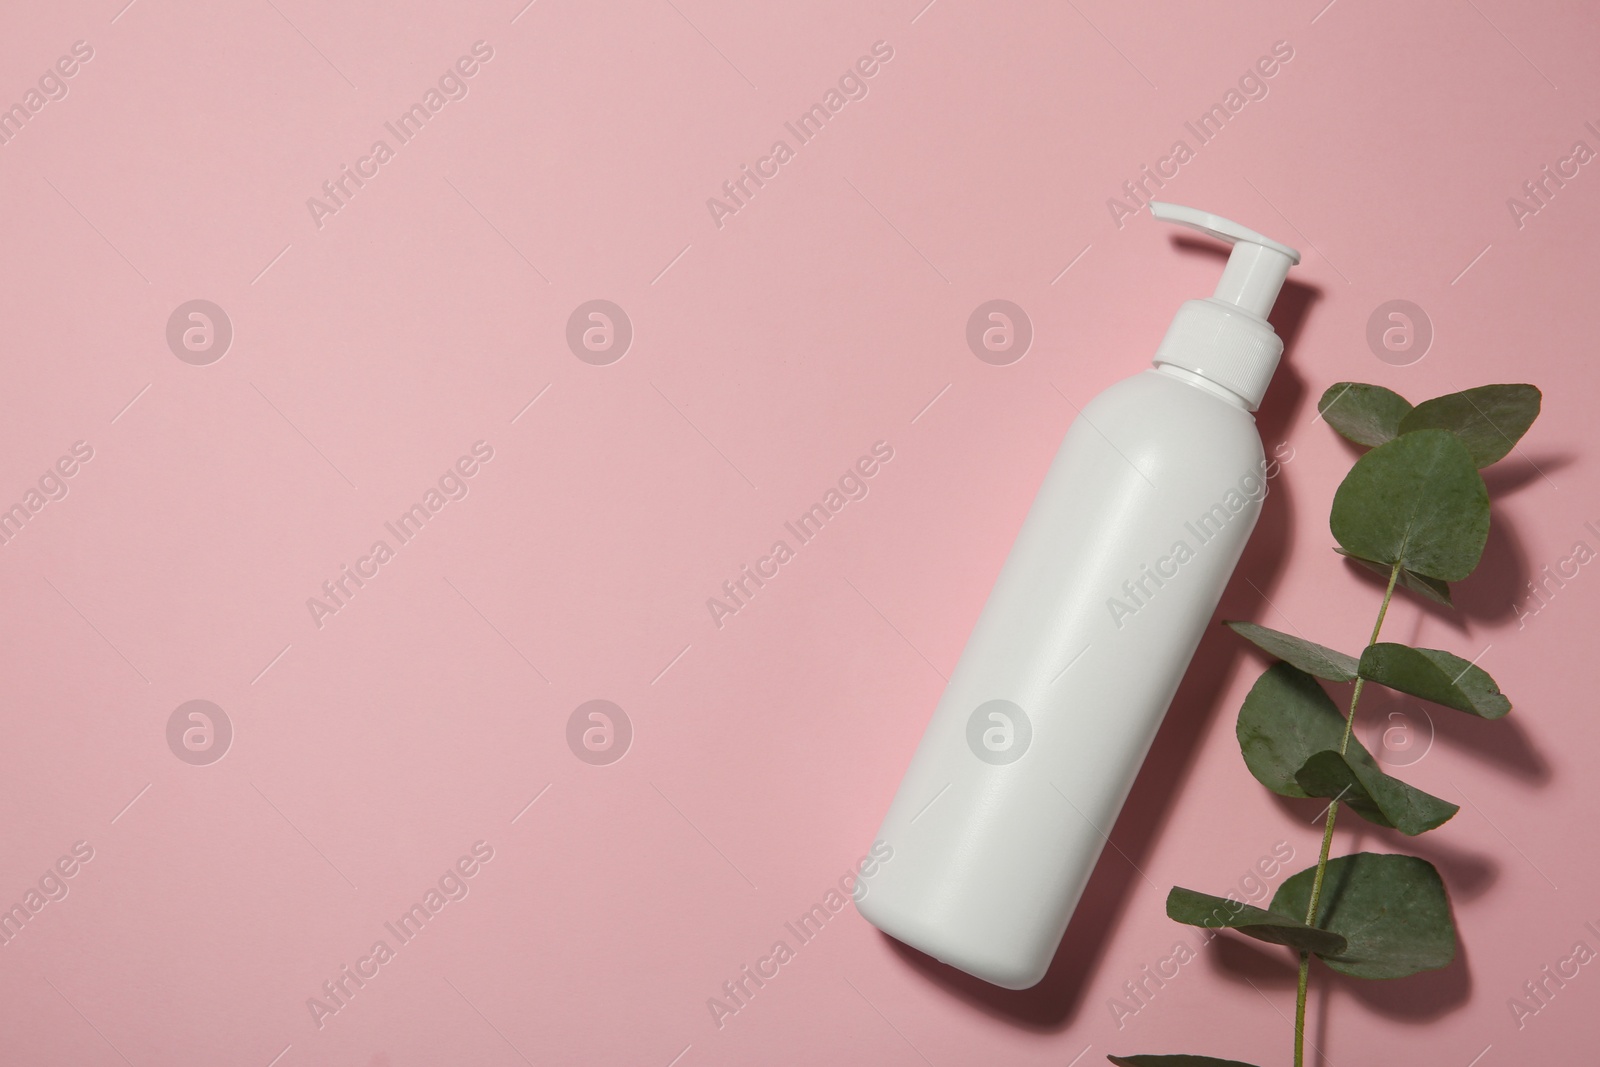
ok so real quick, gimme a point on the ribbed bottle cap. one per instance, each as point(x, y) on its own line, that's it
point(1219, 342)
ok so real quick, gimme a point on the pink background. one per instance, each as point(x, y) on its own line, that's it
point(827, 314)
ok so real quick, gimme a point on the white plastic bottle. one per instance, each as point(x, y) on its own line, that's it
point(1088, 631)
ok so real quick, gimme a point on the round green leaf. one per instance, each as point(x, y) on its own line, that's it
point(1392, 910)
point(1213, 913)
point(1285, 718)
point(1435, 675)
point(1417, 501)
point(1366, 414)
point(1355, 780)
point(1174, 1061)
point(1490, 419)
point(1309, 656)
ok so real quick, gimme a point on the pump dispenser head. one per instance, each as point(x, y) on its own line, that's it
point(1226, 338)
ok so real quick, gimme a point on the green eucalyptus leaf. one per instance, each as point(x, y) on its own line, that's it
point(1435, 675)
point(1285, 720)
point(1392, 910)
point(1372, 794)
point(1427, 588)
point(1175, 1061)
point(1490, 419)
point(1366, 414)
point(1309, 656)
point(1212, 913)
point(1417, 501)
point(1286, 717)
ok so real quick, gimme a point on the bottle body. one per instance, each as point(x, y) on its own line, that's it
point(1041, 730)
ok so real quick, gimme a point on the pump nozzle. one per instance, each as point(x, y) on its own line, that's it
point(1226, 338)
point(1256, 268)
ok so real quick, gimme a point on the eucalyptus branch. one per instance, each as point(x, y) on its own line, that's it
point(1415, 510)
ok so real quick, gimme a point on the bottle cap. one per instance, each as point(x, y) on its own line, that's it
point(1225, 337)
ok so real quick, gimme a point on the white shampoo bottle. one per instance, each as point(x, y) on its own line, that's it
point(1113, 578)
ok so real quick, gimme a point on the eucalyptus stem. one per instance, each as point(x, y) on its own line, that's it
point(1327, 838)
point(1300, 1011)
